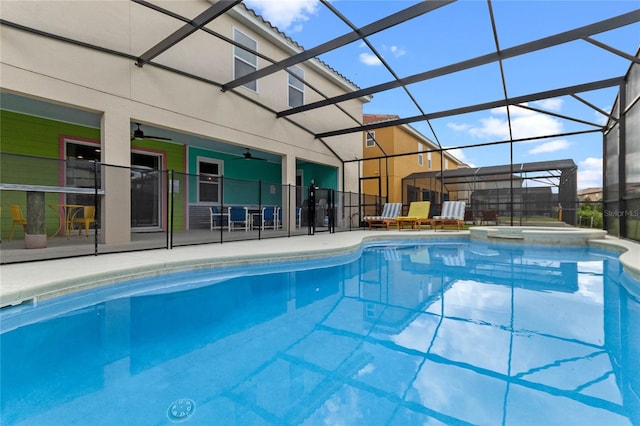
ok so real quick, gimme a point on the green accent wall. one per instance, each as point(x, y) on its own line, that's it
point(29, 135)
point(174, 160)
point(35, 137)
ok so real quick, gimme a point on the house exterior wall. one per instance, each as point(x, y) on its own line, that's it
point(396, 140)
point(121, 92)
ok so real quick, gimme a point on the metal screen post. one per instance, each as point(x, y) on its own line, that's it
point(332, 211)
point(170, 212)
point(311, 213)
point(222, 209)
point(95, 208)
point(261, 212)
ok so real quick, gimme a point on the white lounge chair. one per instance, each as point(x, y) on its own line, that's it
point(452, 214)
point(388, 216)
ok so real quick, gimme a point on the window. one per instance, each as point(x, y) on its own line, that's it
point(371, 139)
point(245, 62)
point(209, 172)
point(428, 160)
point(446, 164)
point(420, 155)
point(296, 86)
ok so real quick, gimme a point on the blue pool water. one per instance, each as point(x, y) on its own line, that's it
point(437, 333)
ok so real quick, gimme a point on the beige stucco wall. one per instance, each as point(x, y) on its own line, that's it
point(72, 75)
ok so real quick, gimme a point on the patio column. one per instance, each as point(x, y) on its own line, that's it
point(289, 178)
point(115, 217)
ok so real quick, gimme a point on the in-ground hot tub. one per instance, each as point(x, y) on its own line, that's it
point(563, 236)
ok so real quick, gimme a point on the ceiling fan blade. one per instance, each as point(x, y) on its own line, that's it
point(139, 134)
point(156, 137)
point(248, 156)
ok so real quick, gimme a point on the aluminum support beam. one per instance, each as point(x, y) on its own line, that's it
point(375, 27)
point(589, 104)
point(564, 117)
point(219, 8)
point(596, 85)
point(612, 50)
point(543, 43)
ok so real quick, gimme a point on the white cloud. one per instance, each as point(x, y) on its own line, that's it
point(285, 13)
point(524, 124)
point(459, 154)
point(550, 104)
point(369, 59)
point(551, 146)
point(590, 173)
point(458, 127)
point(397, 51)
point(601, 118)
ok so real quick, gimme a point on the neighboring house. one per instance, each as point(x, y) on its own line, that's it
point(73, 88)
point(382, 177)
point(593, 194)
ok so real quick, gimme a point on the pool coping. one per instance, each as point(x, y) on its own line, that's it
point(44, 279)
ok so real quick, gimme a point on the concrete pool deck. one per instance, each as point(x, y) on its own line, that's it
point(43, 279)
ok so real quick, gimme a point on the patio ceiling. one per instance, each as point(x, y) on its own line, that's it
point(407, 81)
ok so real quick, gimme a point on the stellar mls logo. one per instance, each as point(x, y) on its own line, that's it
point(621, 213)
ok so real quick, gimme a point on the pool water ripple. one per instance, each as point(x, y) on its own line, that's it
point(408, 333)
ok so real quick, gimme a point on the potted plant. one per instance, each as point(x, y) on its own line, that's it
point(36, 236)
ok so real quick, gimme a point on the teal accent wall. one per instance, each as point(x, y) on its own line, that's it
point(240, 178)
point(323, 176)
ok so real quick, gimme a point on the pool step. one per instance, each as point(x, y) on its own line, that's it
point(505, 237)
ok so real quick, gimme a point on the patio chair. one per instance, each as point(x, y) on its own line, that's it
point(469, 217)
point(489, 216)
point(88, 217)
point(239, 216)
point(389, 213)
point(217, 218)
point(18, 219)
point(267, 218)
point(452, 214)
point(417, 215)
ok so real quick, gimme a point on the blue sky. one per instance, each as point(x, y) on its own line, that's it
point(461, 31)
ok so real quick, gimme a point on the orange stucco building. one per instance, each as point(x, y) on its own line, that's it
point(406, 150)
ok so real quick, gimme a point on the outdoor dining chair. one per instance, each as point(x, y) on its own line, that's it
point(18, 219)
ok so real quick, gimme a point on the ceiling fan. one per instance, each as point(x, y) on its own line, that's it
point(139, 134)
point(248, 156)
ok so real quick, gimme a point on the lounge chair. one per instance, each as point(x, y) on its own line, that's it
point(389, 213)
point(452, 214)
point(417, 215)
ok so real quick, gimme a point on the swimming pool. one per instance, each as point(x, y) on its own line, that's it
point(439, 332)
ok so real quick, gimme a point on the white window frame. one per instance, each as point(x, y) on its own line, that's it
point(220, 165)
point(297, 71)
point(420, 155)
point(235, 56)
point(370, 141)
point(428, 160)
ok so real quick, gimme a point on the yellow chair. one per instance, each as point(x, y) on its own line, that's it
point(417, 215)
point(88, 217)
point(18, 219)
